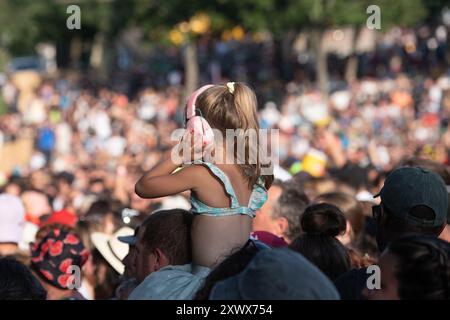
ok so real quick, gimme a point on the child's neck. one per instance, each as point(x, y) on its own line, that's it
point(221, 156)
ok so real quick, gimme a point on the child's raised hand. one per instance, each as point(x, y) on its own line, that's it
point(190, 148)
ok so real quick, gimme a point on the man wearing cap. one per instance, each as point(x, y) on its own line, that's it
point(413, 200)
point(12, 219)
point(443, 172)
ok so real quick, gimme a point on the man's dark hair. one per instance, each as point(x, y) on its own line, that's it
point(321, 223)
point(422, 267)
point(169, 231)
point(290, 205)
point(18, 283)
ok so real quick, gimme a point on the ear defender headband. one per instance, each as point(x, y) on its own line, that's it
point(190, 105)
point(197, 124)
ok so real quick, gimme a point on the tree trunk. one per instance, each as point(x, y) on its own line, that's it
point(190, 68)
point(447, 54)
point(76, 49)
point(321, 62)
point(351, 70)
point(286, 51)
point(97, 51)
point(102, 57)
point(108, 63)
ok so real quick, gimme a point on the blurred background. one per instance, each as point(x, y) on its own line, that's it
point(83, 112)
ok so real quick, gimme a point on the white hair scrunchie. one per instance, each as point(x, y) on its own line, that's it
point(230, 86)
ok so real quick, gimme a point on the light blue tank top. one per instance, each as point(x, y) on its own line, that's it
point(257, 198)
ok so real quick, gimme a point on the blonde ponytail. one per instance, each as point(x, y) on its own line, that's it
point(234, 106)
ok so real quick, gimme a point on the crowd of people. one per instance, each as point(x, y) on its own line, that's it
point(90, 209)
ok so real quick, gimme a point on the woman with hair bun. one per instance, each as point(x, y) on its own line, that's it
point(321, 224)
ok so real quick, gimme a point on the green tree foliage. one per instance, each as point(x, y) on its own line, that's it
point(23, 23)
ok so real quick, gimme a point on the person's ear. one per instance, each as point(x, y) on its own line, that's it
point(347, 236)
point(349, 231)
point(161, 259)
point(282, 226)
point(442, 228)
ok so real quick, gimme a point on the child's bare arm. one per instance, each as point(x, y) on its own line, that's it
point(160, 181)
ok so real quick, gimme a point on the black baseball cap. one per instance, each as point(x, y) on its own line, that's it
point(407, 187)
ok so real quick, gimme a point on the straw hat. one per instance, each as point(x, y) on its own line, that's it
point(113, 250)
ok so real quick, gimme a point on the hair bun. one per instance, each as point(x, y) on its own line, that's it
point(323, 219)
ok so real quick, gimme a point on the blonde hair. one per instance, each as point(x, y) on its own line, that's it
point(234, 109)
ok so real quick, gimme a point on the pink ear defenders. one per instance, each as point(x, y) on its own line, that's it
point(196, 123)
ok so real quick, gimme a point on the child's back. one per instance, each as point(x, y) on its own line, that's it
point(220, 225)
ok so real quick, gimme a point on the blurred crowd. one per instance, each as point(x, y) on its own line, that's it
point(85, 151)
point(72, 152)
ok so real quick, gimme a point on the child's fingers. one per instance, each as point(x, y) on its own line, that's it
point(191, 147)
point(208, 152)
point(197, 148)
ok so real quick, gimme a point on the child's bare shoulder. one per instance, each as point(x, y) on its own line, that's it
point(197, 169)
